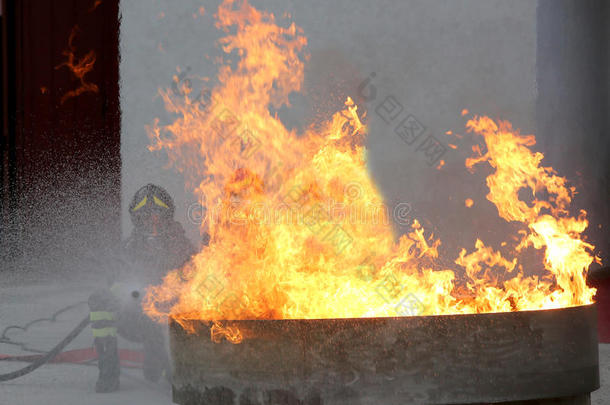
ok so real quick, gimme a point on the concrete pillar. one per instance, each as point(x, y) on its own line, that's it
point(573, 116)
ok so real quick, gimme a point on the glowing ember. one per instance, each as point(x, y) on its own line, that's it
point(218, 331)
point(95, 5)
point(318, 255)
point(79, 69)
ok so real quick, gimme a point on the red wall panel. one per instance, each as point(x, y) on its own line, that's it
point(65, 189)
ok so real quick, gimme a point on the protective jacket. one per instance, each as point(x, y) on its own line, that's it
point(116, 309)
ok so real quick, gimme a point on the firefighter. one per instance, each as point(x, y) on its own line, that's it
point(156, 245)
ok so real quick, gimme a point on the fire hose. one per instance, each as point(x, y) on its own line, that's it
point(42, 357)
point(49, 356)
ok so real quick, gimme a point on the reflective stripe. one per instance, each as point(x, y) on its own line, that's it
point(159, 202)
point(101, 316)
point(140, 204)
point(104, 332)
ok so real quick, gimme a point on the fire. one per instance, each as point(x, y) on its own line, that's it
point(230, 333)
point(79, 69)
point(298, 227)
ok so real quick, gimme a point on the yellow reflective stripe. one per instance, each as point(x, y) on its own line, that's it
point(103, 332)
point(140, 204)
point(101, 316)
point(159, 202)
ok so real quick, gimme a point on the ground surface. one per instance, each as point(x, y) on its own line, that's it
point(62, 384)
point(66, 384)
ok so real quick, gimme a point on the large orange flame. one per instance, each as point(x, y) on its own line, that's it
point(298, 227)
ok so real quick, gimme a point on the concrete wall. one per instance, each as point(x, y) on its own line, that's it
point(572, 111)
point(435, 57)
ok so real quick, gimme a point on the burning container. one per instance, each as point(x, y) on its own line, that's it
point(528, 357)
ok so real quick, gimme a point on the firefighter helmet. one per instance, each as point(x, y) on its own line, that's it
point(148, 202)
